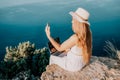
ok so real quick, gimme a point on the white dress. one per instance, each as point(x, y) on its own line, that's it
point(71, 61)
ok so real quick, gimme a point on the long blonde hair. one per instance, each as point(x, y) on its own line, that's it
point(84, 39)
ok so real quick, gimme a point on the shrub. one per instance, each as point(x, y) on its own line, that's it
point(112, 50)
point(24, 58)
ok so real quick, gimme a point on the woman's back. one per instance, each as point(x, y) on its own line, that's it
point(75, 60)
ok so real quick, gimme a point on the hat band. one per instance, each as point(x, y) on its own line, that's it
point(81, 17)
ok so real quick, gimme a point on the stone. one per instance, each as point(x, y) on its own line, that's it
point(98, 69)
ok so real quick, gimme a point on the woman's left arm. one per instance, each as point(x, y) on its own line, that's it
point(65, 45)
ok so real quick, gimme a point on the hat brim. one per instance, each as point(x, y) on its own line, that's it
point(78, 18)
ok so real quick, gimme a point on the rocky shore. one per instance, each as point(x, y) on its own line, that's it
point(100, 68)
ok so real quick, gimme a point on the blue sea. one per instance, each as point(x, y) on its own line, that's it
point(26, 20)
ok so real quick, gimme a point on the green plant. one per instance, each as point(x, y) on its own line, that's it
point(22, 58)
point(112, 50)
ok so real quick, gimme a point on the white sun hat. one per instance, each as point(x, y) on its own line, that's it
point(81, 15)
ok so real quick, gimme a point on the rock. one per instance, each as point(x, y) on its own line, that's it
point(100, 68)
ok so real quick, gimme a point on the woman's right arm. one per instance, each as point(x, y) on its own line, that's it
point(65, 45)
point(70, 42)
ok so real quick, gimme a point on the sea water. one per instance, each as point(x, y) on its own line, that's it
point(26, 21)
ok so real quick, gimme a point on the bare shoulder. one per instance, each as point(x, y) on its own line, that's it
point(74, 37)
point(69, 43)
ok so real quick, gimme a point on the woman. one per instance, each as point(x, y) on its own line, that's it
point(78, 46)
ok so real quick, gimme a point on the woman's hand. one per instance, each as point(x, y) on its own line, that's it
point(47, 30)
